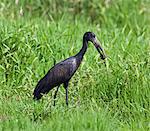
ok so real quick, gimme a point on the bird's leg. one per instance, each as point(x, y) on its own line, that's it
point(66, 88)
point(56, 94)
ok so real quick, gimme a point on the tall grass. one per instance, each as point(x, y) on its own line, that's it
point(115, 97)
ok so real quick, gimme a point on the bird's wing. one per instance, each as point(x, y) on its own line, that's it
point(62, 71)
point(57, 75)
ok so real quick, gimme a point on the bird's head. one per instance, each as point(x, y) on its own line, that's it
point(90, 36)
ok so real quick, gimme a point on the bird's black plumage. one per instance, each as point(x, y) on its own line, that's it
point(62, 72)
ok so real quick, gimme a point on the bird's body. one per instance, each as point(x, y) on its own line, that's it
point(60, 73)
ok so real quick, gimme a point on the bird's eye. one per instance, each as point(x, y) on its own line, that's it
point(94, 35)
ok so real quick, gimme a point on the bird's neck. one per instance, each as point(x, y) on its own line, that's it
point(83, 50)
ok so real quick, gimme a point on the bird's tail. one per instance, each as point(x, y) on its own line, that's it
point(43, 87)
point(37, 91)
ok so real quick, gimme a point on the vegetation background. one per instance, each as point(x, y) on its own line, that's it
point(35, 34)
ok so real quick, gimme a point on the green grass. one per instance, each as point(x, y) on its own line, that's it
point(115, 97)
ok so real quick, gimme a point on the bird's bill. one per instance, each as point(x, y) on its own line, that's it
point(99, 49)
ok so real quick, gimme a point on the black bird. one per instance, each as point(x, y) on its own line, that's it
point(62, 72)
